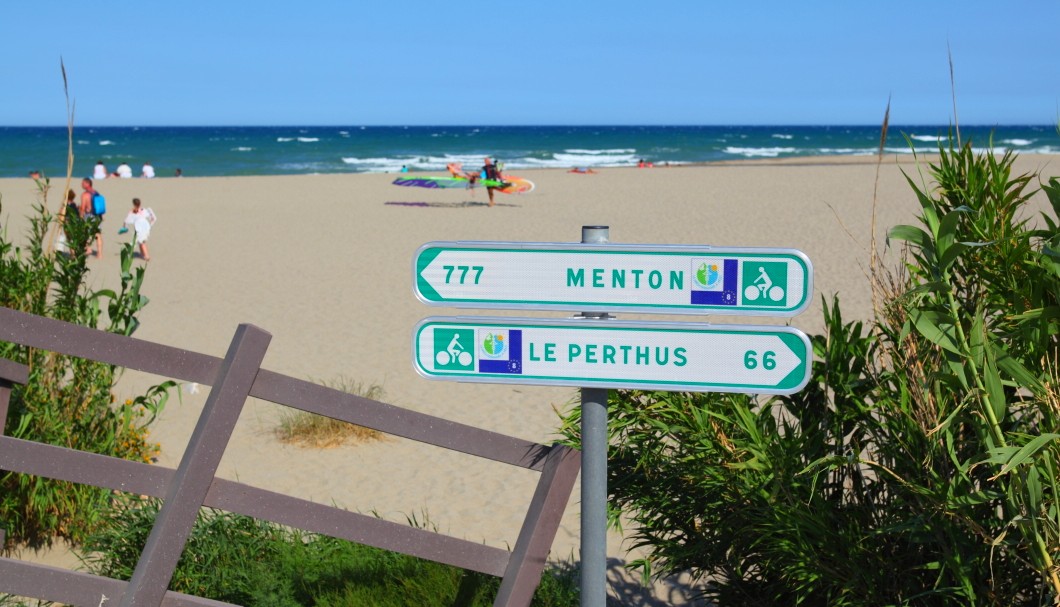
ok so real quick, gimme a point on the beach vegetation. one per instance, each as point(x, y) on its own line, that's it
point(319, 431)
point(237, 559)
point(68, 401)
point(920, 466)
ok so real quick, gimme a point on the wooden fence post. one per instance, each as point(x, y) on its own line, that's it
point(186, 493)
point(11, 373)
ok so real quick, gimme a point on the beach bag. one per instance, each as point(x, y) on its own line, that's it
point(99, 204)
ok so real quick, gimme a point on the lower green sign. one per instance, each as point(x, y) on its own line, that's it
point(613, 354)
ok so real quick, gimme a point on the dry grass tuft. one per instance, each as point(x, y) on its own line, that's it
point(317, 431)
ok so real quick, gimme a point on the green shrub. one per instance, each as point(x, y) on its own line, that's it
point(918, 467)
point(234, 558)
point(68, 401)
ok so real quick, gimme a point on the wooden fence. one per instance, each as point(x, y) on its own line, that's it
point(193, 484)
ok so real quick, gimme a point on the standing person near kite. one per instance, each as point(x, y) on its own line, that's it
point(491, 172)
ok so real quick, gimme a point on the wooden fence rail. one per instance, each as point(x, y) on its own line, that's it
point(193, 483)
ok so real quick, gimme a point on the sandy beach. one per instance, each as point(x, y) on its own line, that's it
point(323, 262)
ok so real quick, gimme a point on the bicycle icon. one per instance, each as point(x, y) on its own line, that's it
point(456, 352)
point(763, 287)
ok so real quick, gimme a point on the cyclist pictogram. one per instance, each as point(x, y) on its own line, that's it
point(765, 283)
point(450, 351)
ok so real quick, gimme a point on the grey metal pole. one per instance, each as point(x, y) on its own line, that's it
point(594, 474)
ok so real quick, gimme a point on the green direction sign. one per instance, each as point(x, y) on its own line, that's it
point(614, 278)
point(689, 357)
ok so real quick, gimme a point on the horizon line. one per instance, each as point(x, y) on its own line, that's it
point(563, 125)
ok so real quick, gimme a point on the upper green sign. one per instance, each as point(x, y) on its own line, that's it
point(614, 278)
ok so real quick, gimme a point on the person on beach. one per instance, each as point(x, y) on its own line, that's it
point(141, 220)
point(178, 173)
point(89, 215)
point(124, 171)
point(148, 172)
point(490, 171)
point(100, 171)
point(67, 216)
point(72, 209)
point(457, 170)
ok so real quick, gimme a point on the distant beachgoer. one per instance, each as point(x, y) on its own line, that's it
point(178, 173)
point(457, 170)
point(124, 171)
point(490, 171)
point(148, 171)
point(89, 215)
point(404, 169)
point(34, 174)
point(70, 214)
point(141, 220)
point(100, 172)
point(72, 209)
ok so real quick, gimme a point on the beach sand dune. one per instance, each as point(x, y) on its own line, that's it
point(323, 262)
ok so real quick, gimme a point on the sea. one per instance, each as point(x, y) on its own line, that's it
point(292, 150)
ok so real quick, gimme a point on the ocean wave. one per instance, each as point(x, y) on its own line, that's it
point(242, 149)
point(359, 161)
point(284, 139)
point(932, 138)
point(914, 150)
point(380, 165)
point(472, 162)
point(107, 142)
point(600, 160)
point(467, 160)
point(615, 151)
point(846, 151)
point(83, 142)
point(308, 139)
point(305, 168)
point(1015, 141)
point(998, 151)
point(758, 152)
point(782, 136)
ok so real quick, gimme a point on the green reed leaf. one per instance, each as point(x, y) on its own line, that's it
point(913, 235)
point(1013, 368)
point(936, 327)
point(1013, 456)
point(995, 390)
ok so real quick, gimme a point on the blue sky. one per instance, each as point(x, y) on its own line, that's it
point(406, 63)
